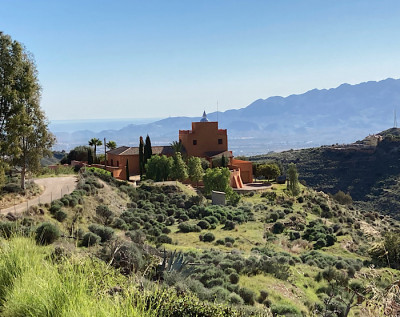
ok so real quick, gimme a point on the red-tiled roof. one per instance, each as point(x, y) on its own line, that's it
point(125, 150)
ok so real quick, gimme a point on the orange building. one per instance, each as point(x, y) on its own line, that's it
point(205, 140)
point(117, 158)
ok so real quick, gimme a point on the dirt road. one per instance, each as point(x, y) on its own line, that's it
point(54, 188)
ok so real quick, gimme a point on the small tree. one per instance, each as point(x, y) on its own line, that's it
point(293, 180)
point(224, 162)
point(342, 295)
point(158, 168)
point(127, 170)
point(217, 179)
point(24, 134)
point(148, 152)
point(195, 170)
point(269, 171)
point(179, 168)
point(90, 156)
point(79, 153)
point(141, 156)
point(342, 198)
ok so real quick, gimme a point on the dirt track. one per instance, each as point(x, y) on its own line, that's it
point(54, 188)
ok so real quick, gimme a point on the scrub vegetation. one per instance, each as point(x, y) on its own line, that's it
point(133, 248)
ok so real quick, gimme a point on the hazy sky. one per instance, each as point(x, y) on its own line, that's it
point(127, 59)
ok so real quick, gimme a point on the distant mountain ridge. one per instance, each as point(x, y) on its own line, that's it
point(319, 116)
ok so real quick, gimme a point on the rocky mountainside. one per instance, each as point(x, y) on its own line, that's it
point(369, 173)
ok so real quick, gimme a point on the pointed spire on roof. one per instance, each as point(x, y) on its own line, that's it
point(204, 118)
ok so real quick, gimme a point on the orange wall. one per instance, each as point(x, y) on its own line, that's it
point(133, 162)
point(246, 170)
point(206, 134)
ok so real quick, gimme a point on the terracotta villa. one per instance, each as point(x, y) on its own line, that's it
point(205, 140)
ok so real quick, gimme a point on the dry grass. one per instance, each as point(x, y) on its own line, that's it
point(10, 199)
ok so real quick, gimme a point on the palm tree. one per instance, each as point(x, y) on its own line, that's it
point(95, 142)
point(111, 145)
point(177, 146)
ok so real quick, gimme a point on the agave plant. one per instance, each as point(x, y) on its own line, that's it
point(175, 263)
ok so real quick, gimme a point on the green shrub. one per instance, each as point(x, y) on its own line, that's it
point(284, 309)
point(164, 239)
point(186, 227)
point(234, 278)
point(330, 240)
point(262, 297)
point(229, 225)
point(220, 242)
point(203, 224)
point(90, 239)
point(105, 233)
point(278, 227)
point(12, 188)
point(208, 237)
point(169, 221)
point(342, 198)
point(294, 235)
point(60, 215)
point(267, 302)
point(273, 216)
point(56, 205)
point(47, 233)
point(320, 243)
point(65, 201)
point(104, 212)
point(248, 295)
point(235, 299)
point(7, 228)
point(73, 202)
point(119, 223)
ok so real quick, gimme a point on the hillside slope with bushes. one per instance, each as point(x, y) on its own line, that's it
point(156, 250)
point(370, 174)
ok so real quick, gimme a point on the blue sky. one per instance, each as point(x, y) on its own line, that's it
point(140, 59)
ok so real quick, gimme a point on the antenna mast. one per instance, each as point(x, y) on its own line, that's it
point(217, 110)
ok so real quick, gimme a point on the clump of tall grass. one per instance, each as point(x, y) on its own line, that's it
point(33, 283)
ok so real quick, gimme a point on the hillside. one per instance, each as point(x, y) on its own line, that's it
point(369, 173)
point(271, 254)
point(277, 123)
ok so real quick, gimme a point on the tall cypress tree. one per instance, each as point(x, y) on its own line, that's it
point(223, 161)
point(141, 156)
point(127, 170)
point(147, 149)
point(90, 156)
point(293, 181)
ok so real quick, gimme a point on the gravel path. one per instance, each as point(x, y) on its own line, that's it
point(54, 188)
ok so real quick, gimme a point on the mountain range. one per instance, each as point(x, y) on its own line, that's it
point(317, 117)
